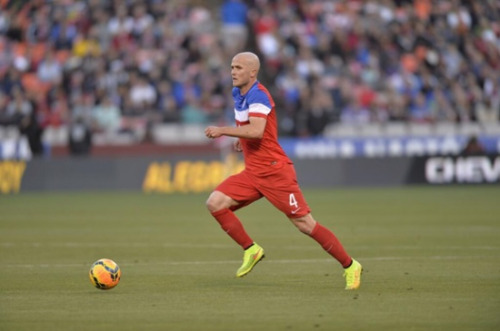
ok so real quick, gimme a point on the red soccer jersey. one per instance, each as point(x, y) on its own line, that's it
point(261, 155)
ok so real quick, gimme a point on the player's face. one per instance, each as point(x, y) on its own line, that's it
point(241, 72)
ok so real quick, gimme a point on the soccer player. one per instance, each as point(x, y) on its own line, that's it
point(268, 173)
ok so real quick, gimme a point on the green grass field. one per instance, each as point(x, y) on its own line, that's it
point(431, 258)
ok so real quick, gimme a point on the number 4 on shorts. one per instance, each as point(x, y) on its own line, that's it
point(293, 203)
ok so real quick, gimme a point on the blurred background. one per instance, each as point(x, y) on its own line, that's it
point(351, 78)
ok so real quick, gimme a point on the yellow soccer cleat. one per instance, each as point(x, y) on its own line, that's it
point(352, 276)
point(251, 257)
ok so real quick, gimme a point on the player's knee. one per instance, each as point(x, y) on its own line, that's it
point(303, 225)
point(216, 201)
point(211, 204)
point(303, 228)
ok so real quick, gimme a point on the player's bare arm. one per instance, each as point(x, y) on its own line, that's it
point(252, 130)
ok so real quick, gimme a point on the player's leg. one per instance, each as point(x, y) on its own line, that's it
point(234, 193)
point(323, 236)
point(330, 243)
point(220, 206)
point(287, 197)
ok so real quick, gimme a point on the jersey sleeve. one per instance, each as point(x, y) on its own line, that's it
point(259, 103)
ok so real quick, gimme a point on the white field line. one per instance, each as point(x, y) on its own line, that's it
point(106, 244)
point(223, 246)
point(282, 261)
point(8, 245)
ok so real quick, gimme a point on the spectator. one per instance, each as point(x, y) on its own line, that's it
point(58, 108)
point(80, 137)
point(10, 81)
point(442, 108)
point(234, 30)
point(4, 117)
point(121, 23)
point(106, 116)
point(64, 37)
point(473, 147)
point(420, 110)
point(319, 112)
point(83, 107)
point(486, 112)
point(87, 44)
point(32, 128)
point(142, 20)
point(50, 70)
point(21, 113)
point(19, 108)
point(355, 113)
point(192, 113)
point(142, 94)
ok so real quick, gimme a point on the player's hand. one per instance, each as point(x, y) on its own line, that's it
point(237, 146)
point(212, 132)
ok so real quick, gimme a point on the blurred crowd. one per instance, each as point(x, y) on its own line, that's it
point(124, 66)
point(357, 62)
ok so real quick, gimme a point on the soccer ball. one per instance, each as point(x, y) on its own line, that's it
point(105, 274)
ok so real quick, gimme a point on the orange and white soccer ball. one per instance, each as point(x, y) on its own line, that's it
point(105, 274)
